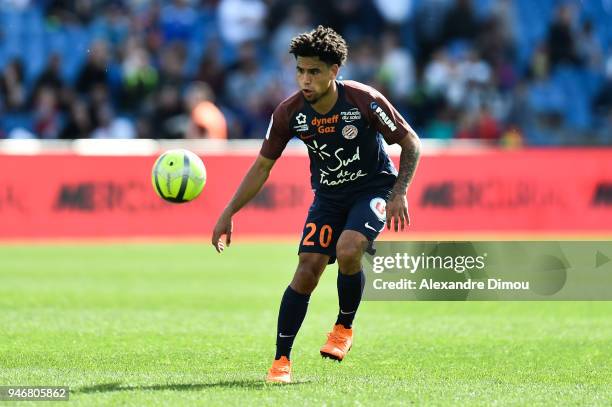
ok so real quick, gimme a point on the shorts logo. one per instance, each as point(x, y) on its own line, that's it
point(382, 116)
point(349, 132)
point(379, 207)
point(352, 115)
point(368, 226)
point(301, 125)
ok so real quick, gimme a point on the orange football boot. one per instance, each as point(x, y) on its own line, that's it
point(339, 342)
point(280, 372)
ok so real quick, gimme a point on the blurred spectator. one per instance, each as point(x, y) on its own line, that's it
point(166, 120)
point(520, 113)
point(603, 101)
point(95, 70)
point(206, 120)
point(481, 125)
point(171, 64)
point(540, 63)
point(110, 126)
point(364, 62)
point(297, 22)
point(438, 72)
point(353, 18)
point(79, 123)
point(442, 126)
point(504, 17)
point(277, 13)
point(461, 22)
point(147, 23)
point(468, 76)
point(250, 91)
point(561, 40)
point(139, 77)
point(462, 82)
point(113, 25)
point(72, 11)
point(512, 138)
point(397, 70)
point(394, 12)
point(429, 24)
point(177, 21)
point(505, 74)
point(498, 36)
point(47, 123)
point(51, 76)
point(98, 96)
point(588, 47)
point(211, 70)
point(242, 20)
point(12, 87)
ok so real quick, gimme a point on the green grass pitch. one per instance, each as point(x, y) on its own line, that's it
point(178, 324)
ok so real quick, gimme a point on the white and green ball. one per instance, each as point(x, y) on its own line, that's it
point(178, 176)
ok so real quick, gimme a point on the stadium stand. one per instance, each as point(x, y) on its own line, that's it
point(508, 72)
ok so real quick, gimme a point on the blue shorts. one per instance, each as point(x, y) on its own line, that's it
point(328, 218)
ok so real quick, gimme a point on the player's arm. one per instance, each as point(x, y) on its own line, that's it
point(277, 137)
point(394, 128)
point(249, 187)
point(397, 205)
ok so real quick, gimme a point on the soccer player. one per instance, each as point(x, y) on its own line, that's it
point(357, 189)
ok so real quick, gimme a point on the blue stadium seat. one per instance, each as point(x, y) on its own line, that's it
point(16, 120)
point(569, 80)
point(547, 97)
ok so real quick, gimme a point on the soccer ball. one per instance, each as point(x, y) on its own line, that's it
point(178, 176)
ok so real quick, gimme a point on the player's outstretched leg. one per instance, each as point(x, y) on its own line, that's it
point(292, 312)
point(351, 282)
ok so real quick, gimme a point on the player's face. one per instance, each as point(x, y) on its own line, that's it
point(314, 77)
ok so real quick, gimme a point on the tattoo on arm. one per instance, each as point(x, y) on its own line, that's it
point(409, 159)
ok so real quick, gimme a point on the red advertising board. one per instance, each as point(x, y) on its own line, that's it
point(72, 196)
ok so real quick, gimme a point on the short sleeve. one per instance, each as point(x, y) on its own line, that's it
point(277, 135)
point(387, 120)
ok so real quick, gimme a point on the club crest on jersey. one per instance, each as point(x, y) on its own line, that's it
point(301, 125)
point(352, 115)
point(382, 116)
point(349, 132)
point(379, 207)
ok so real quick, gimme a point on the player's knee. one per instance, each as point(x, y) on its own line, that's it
point(306, 276)
point(348, 252)
point(304, 281)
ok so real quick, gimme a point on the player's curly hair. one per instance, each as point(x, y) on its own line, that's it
point(322, 42)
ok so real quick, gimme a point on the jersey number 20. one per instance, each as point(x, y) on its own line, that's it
point(325, 235)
